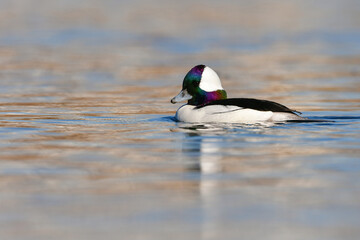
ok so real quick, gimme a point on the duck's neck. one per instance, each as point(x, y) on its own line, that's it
point(202, 97)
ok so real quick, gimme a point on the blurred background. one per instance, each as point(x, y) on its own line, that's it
point(101, 43)
point(89, 149)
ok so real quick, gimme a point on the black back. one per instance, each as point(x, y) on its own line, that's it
point(256, 104)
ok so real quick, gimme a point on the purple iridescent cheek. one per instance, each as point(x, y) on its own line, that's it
point(216, 95)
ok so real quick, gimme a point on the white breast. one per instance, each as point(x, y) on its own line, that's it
point(229, 114)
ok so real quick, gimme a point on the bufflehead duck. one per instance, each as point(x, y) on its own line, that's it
point(208, 103)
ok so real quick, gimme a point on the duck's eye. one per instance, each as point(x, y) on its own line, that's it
point(195, 83)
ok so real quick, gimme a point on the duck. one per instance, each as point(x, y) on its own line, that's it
point(207, 102)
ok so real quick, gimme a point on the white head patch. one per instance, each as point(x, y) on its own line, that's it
point(210, 81)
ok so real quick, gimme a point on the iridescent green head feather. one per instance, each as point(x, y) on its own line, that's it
point(201, 85)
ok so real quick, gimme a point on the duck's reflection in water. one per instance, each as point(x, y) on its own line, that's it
point(205, 155)
point(207, 148)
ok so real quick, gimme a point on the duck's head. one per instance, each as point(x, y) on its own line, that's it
point(201, 85)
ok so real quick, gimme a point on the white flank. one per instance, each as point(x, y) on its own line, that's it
point(230, 114)
point(210, 81)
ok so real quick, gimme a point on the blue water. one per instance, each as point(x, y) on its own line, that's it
point(89, 147)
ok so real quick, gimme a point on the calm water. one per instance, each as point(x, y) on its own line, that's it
point(89, 148)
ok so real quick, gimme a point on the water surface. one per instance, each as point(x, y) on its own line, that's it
point(89, 148)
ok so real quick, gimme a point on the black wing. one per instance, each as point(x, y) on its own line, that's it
point(261, 105)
